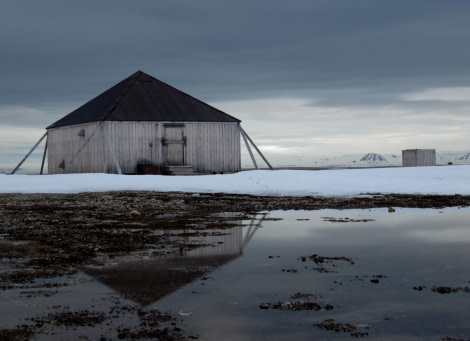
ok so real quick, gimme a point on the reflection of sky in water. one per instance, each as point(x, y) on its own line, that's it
point(405, 225)
point(405, 249)
point(255, 264)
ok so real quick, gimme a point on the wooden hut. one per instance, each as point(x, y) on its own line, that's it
point(418, 157)
point(143, 121)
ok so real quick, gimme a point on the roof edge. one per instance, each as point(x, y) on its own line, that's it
point(116, 93)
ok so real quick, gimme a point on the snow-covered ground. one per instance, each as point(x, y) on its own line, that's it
point(338, 182)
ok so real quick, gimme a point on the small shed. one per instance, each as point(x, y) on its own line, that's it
point(143, 121)
point(418, 157)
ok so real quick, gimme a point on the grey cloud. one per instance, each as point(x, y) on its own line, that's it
point(229, 49)
point(355, 55)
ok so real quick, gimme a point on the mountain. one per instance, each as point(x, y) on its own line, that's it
point(465, 157)
point(372, 158)
point(456, 158)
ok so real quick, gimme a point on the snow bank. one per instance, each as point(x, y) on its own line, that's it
point(340, 182)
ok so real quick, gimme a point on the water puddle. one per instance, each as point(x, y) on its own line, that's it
point(339, 274)
point(283, 275)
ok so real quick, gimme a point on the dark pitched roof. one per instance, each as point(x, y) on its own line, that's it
point(141, 97)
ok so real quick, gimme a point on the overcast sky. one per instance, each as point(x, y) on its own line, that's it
point(306, 78)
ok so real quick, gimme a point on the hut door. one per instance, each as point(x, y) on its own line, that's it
point(174, 143)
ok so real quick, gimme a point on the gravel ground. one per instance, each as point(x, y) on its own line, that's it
point(61, 231)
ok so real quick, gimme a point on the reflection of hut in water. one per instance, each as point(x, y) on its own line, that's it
point(146, 281)
point(201, 251)
point(214, 242)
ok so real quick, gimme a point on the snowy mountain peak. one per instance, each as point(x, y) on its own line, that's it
point(373, 157)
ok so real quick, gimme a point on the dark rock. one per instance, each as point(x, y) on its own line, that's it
point(353, 330)
point(449, 290)
point(419, 287)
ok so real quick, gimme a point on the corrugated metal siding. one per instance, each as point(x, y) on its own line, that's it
point(210, 146)
point(418, 157)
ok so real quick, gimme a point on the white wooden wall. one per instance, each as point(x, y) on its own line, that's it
point(213, 147)
point(418, 157)
point(210, 147)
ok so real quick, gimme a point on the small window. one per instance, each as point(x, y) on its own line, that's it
point(81, 133)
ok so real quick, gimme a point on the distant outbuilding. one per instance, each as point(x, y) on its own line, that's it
point(142, 125)
point(418, 157)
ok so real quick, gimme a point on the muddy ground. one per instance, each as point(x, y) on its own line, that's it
point(51, 235)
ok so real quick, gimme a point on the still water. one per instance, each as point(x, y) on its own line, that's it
point(382, 274)
point(284, 275)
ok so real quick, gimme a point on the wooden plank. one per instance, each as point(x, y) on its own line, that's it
point(81, 148)
point(249, 149)
point(28, 154)
point(213, 146)
point(115, 158)
point(43, 157)
point(254, 145)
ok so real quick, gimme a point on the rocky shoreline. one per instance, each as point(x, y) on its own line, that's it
point(60, 231)
point(51, 235)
